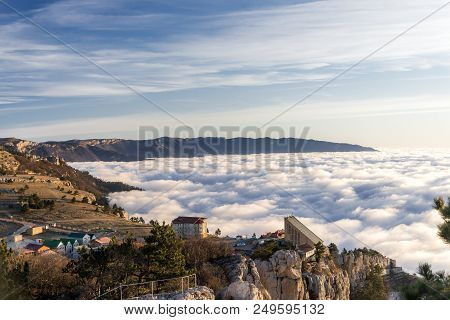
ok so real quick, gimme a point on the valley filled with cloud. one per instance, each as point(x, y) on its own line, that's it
point(381, 200)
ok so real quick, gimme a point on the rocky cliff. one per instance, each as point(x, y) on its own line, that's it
point(284, 276)
point(357, 263)
point(245, 281)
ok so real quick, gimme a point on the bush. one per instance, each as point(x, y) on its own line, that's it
point(333, 248)
point(46, 279)
point(374, 286)
point(432, 286)
point(198, 252)
point(266, 250)
point(319, 251)
point(212, 276)
point(35, 202)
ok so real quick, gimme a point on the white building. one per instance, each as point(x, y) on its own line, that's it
point(86, 239)
point(61, 248)
point(190, 227)
point(69, 249)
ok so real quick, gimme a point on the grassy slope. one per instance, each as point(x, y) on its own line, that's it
point(79, 179)
point(51, 181)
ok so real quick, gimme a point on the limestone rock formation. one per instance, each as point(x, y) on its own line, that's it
point(8, 162)
point(245, 282)
point(357, 264)
point(287, 276)
point(281, 275)
point(284, 276)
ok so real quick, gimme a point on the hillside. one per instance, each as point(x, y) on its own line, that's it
point(20, 164)
point(133, 150)
point(38, 191)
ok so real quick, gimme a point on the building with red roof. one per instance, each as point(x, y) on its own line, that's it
point(190, 227)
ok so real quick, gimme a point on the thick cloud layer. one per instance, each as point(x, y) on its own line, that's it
point(379, 200)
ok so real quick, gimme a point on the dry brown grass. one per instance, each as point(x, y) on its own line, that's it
point(76, 216)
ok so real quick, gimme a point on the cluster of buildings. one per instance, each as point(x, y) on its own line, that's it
point(294, 232)
point(68, 247)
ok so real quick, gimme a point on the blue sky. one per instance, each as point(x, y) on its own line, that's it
point(227, 63)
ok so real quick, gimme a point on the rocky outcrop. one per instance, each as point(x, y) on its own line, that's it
point(287, 276)
point(197, 293)
point(357, 264)
point(327, 283)
point(281, 275)
point(245, 281)
point(7, 162)
point(284, 276)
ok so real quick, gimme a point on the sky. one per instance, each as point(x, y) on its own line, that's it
point(379, 200)
point(223, 63)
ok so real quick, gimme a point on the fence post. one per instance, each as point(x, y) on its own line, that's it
point(152, 289)
point(121, 293)
point(195, 280)
point(182, 289)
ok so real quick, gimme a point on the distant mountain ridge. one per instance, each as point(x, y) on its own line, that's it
point(134, 150)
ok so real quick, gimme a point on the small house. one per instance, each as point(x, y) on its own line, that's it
point(33, 248)
point(15, 238)
point(35, 230)
point(100, 242)
point(69, 248)
point(86, 239)
point(61, 248)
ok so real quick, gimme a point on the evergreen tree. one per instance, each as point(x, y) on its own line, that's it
point(444, 210)
point(374, 286)
point(163, 253)
point(425, 271)
point(320, 250)
point(432, 286)
point(333, 248)
point(13, 278)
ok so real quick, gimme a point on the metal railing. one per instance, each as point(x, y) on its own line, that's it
point(150, 288)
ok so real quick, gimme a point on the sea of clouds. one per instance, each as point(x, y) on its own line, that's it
point(381, 200)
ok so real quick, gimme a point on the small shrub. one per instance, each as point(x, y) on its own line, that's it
point(266, 250)
point(212, 276)
point(198, 252)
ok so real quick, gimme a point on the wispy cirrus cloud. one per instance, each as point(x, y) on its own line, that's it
point(257, 46)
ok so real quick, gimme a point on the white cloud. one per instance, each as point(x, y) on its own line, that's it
point(381, 200)
point(281, 44)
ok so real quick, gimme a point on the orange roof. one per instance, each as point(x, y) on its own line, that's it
point(103, 240)
point(35, 248)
